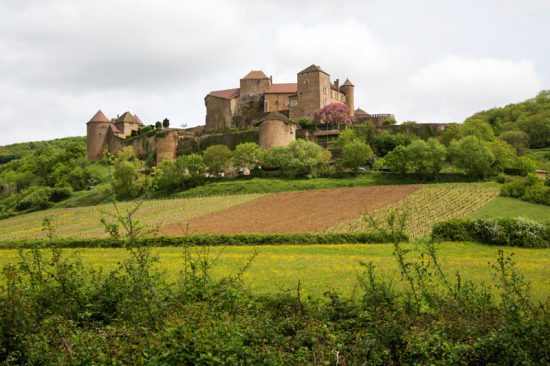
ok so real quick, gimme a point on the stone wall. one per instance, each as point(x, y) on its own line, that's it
point(276, 102)
point(220, 112)
point(254, 86)
point(420, 129)
point(276, 133)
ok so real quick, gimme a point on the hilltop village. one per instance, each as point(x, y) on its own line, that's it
point(259, 110)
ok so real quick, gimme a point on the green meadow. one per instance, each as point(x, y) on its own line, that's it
point(321, 268)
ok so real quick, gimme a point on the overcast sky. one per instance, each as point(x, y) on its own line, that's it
point(428, 61)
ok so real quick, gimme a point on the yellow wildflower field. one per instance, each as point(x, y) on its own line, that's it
point(321, 268)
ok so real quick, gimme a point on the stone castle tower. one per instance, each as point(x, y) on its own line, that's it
point(348, 90)
point(103, 133)
point(98, 130)
point(315, 90)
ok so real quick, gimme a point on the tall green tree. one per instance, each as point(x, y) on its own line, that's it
point(355, 154)
point(247, 155)
point(217, 158)
point(472, 155)
point(127, 181)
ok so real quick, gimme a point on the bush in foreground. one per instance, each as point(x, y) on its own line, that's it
point(54, 310)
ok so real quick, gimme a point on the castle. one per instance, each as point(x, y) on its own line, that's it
point(257, 111)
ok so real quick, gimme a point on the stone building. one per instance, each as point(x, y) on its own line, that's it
point(103, 133)
point(257, 111)
point(257, 94)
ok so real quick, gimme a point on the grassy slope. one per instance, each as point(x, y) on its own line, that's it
point(511, 207)
point(273, 185)
point(322, 268)
point(85, 222)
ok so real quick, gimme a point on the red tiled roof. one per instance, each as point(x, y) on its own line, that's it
point(99, 117)
point(225, 94)
point(287, 88)
point(255, 74)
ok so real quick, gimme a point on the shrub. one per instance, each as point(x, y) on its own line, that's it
point(520, 232)
point(60, 193)
point(217, 240)
point(36, 198)
point(529, 189)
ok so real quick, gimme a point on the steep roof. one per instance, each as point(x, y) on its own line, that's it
point(138, 120)
point(347, 82)
point(360, 111)
point(285, 88)
point(313, 68)
point(255, 75)
point(225, 94)
point(275, 116)
point(99, 117)
point(127, 117)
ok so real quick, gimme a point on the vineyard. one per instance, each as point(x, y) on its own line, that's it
point(85, 222)
point(425, 207)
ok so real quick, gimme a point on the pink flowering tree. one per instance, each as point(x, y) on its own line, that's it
point(333, 114)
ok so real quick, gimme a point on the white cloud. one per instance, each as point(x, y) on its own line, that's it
point(454, 87)
point(61, 60)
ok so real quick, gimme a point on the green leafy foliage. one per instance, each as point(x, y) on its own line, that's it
point(520, 232)
point(531, 116)
point(128, 181)
point(54, 310)
point(472, 155)
point(419, 157)
point(530, 189)
point(217, 158)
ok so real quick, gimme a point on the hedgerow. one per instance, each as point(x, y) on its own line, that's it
point(520, 232)
point(213, 240)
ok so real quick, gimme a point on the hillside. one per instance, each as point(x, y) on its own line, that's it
point(19, 150)
point(531, 116)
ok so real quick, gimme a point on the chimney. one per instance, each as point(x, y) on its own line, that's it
point(337, 83)
point(271, 78)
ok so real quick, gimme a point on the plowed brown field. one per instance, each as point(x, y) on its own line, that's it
point(294, 212)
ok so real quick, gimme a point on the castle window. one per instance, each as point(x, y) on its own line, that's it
point(325, 91)
point(306, 81)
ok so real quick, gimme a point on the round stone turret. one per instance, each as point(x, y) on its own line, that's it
point(276, 130)
point(98, 128)
point(348, 90)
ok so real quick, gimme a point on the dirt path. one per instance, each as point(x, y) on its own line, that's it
point(294, 212)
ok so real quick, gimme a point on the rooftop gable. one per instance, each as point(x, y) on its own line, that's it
point(255, 75)
point(313, 68)
point(225, 94)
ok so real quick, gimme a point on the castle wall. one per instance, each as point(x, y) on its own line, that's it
point(220, 112)
point(276, 133)
point(276, 102)
point(167, 147)
point(254, 86)
point(420, 129)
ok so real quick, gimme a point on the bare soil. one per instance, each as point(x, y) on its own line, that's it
point(294, 212)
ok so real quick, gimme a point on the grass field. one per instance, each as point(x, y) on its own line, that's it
point(275, 185)
point(85, 222)
point(321, 268)
point(512, 207)
point(425, 207)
